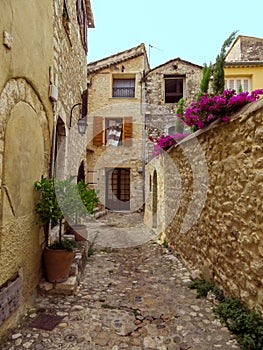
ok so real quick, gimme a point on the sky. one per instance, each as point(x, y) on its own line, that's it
point(193, 30)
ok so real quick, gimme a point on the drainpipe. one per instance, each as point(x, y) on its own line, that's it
point(143, 102)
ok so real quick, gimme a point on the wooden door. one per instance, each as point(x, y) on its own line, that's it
point(118, 189)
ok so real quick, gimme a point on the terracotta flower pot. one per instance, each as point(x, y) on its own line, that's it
point(57, 263)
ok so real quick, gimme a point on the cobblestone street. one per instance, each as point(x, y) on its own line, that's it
point(133, 298)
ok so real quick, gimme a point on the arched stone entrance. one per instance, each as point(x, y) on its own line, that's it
point(60, 149)
point(81, 172)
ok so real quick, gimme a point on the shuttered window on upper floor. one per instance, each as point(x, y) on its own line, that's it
point(112, 131)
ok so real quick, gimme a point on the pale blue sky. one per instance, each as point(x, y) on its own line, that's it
point(190, 29)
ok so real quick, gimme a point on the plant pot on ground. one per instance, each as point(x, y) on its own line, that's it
point(58, 259)
point(58, 256)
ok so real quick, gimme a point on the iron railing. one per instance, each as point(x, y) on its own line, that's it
point(123, 91)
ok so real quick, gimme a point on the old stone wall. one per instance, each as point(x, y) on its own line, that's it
point(69, 74)
point(209, 202)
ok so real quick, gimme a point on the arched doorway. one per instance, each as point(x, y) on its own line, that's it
point(81, 172)
point(60, 149)
point(118, 189)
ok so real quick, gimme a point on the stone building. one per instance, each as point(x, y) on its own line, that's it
point(165, 86)
point(244, 64)
point(42, 75)
point(115, 149)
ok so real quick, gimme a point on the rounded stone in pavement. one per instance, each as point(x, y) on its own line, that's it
point(128, 298)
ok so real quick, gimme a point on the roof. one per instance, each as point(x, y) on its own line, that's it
point(243, 64)
point(175, 60)
point(117, 58)
point(245, 49)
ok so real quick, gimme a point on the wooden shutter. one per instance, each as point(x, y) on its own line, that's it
point(98, 131)
point(79, 11)
point(127, 131)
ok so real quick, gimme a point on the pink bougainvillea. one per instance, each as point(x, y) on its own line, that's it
point(203, 112)
point(210, 107)
point(164, 142)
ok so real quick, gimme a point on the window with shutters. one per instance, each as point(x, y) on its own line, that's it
point(112, 131)
point(174, 88)
point(238, 84)
point(123, 87)
point(83, 23)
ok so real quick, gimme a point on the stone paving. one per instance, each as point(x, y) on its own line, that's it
point(134, 297)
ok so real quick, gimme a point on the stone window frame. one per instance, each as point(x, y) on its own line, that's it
point(124, 76)
point(167, 77)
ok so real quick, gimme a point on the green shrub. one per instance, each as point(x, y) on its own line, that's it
point(246, 324)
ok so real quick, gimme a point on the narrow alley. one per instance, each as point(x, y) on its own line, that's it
point(129, 298)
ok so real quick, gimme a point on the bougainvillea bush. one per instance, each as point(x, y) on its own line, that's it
point(204, 111)
point(210, 107)
point(164, 142)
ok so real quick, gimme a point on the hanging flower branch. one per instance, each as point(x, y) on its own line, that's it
point(164, 142)
point(210, 107)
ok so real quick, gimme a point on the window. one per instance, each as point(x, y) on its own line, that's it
point(113, 134)
point(234, 84)
point(174, 88)
point(112, 131)
point(123, 87)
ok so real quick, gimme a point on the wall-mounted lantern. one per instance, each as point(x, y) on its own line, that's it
point(82, 120)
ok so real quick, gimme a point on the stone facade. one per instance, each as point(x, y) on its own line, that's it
point(160, 114)
point(40, 55)
point(206, 193)
point(109, 163)
point(244, 64)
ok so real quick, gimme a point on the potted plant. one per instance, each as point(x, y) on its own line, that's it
point(58, 255)
point(83, 201)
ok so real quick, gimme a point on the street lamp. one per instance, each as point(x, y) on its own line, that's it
point(82, 121)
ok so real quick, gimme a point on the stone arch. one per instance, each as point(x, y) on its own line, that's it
point(14, 91)
point(24, 157)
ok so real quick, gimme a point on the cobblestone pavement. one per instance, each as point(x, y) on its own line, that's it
point(129, 298)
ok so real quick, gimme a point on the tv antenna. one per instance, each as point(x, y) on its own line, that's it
point(152, 47)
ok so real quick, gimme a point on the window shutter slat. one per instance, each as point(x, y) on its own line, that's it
point(127, 131)
point(98, 131)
